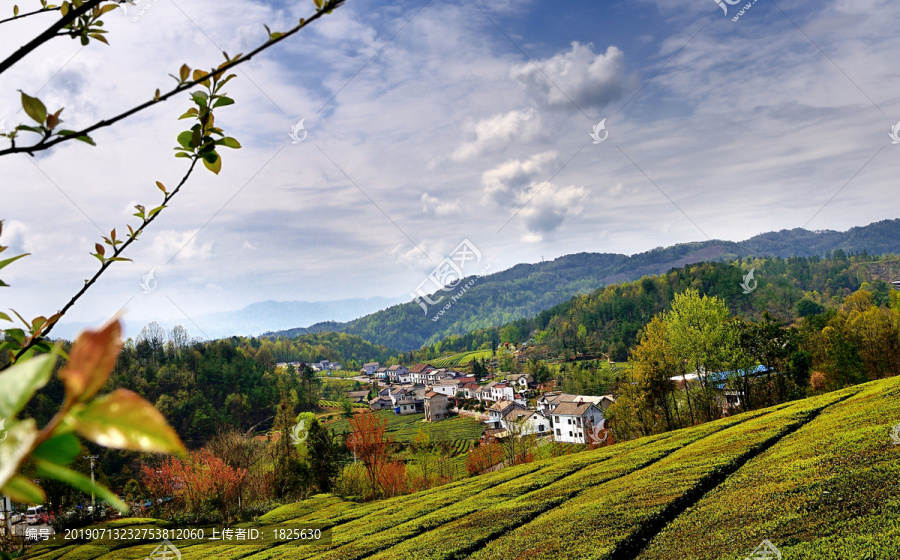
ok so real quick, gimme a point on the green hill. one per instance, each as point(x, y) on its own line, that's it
point(818, 478)
point(527, 289)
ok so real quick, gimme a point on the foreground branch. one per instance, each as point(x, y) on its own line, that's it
point(275, 38)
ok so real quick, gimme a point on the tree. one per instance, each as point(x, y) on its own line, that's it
point(323, 454)
point(655, 365)
point(424, 452)
point(484, 457)
point(518, 445)
point(696, 329)
point(369, 444)
point(200, 482)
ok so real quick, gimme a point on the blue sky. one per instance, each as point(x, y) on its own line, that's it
point(428, 125)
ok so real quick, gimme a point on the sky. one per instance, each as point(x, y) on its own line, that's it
point(427, 123)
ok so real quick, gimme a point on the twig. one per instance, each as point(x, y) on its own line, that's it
point(45, 145)
point(48, 34)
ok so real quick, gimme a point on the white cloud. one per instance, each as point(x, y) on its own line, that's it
point(433, 206)
point(578, 75)
point(504, 183)
point(502, 128)
point(179, 245)
point(546, 206)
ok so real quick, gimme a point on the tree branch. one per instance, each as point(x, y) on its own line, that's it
point(20, 16)
point(48, 34)
point(106, 264)
point(45, 144)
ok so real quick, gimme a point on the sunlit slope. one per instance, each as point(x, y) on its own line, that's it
point(820, 478)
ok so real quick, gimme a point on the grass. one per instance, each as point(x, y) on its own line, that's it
point(818, 478)
point(335, 404)
point(461, 359)
point(403, 428)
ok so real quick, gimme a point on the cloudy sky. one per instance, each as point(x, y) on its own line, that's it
point(430, 122)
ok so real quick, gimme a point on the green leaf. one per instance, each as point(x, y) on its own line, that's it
point(21, 380)
point(213, 162)
point(34, 108)
point(83, 137)
point(81, 482)
point(184, 139)
point(60, 449)
point(124, 420)
point(18, 439)
point(20, 489)
point(223, 101)
point(7, 261)
point(5, 317)
point(185, 72)
point(229, 142)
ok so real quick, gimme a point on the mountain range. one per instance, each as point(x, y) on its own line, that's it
point(527, 289)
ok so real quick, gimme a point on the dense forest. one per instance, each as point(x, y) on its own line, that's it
point(528, 289)
point(610, 319)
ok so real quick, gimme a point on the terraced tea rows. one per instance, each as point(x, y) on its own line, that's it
point(819, 478)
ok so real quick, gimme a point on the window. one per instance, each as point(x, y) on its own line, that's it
point(570, 434)
point(558, 432)
point(569, 421)
point(557, 419)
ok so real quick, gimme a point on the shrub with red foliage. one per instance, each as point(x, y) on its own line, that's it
point(483, 457)
point(198, 482)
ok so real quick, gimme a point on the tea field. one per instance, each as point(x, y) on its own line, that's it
point(819, 479)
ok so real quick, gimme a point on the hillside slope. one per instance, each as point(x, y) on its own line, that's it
point(527, 289)
point(817, 478)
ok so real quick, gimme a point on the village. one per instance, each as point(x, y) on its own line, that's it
point(508, 404)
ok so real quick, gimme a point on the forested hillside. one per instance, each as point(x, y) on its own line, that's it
point(528, 289)
point(609, 319)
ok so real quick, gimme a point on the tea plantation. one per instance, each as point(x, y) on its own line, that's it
point(818, 478)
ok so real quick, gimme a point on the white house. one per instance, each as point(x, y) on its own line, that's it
point(369, 368)
point(408, 400)
point(394, 372)
point(380, 373)
point(574, 422)
point(449, 388)
point(502, 392)
point(549, 401)
point(520, 380)
point(470, 390)
point(417, 372)
point(525, 422)
point(497, 411)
